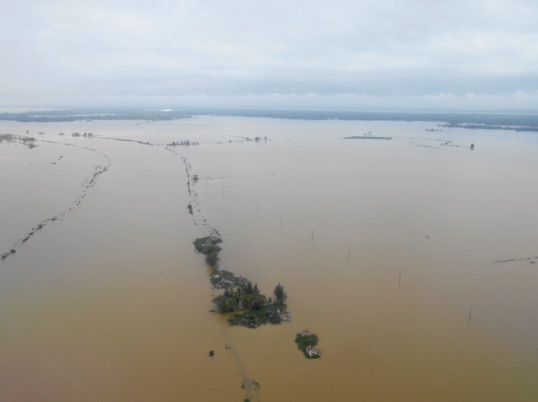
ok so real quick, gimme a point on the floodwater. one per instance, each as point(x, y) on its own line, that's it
point(415, 261)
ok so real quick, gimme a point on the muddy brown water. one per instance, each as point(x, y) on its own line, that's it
point(396, 253)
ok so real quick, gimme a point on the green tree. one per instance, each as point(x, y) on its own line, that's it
point(225, 304)
point(259, 301)
point(280, 294)
point(248, 301)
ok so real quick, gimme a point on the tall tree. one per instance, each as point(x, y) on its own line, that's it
point(280, 294)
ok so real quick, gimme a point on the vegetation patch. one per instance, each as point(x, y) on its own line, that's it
point(266, 314)
point(251, 308)
point(209, 246)
point(306, 342)
point(240, 296)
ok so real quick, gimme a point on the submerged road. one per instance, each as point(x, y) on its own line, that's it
point(198, 218)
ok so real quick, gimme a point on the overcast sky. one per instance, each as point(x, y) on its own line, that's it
point(333, 54)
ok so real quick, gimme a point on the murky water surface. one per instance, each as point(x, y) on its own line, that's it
point(415, 260)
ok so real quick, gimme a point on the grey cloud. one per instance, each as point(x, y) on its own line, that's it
point(314, 51)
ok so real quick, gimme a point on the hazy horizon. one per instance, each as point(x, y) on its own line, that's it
point(201, 109)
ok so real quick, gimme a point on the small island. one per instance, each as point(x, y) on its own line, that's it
point(251, 308)
point(306, 342)
point(254, 309)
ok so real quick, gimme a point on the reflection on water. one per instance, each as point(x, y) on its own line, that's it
point(384, 247)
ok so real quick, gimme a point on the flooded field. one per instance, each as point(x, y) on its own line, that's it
point(414, 259)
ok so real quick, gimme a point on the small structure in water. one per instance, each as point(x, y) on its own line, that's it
point(312, 351)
